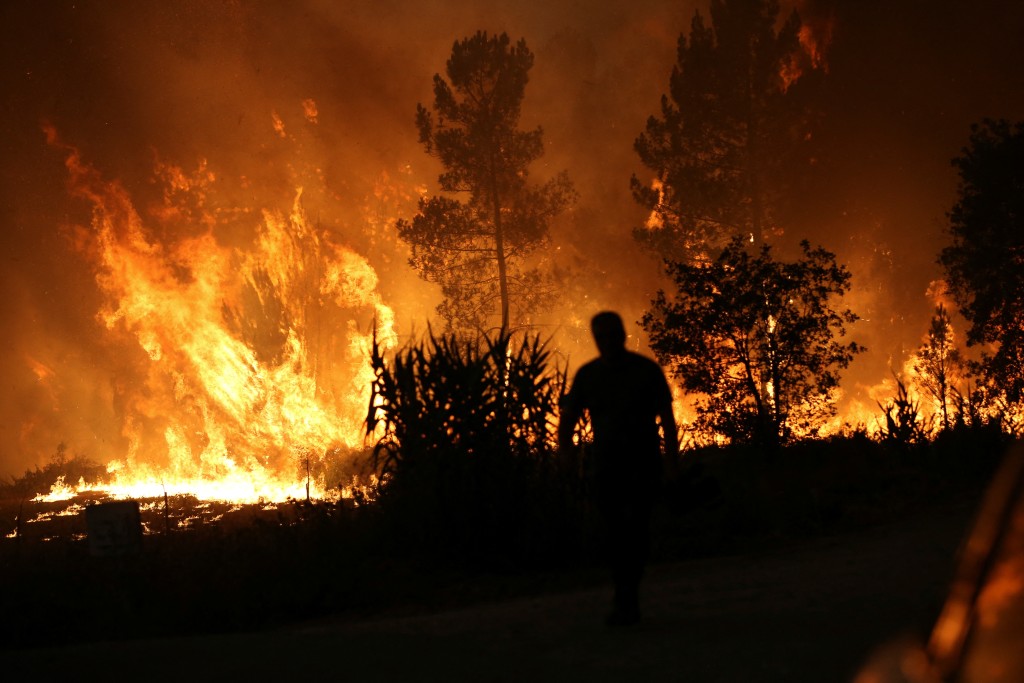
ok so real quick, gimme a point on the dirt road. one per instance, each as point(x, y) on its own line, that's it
point(810, 612)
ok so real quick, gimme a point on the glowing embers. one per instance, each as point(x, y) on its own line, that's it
point(47, 521)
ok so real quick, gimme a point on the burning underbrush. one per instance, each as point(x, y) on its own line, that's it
point(469, 486)
point(49, 503)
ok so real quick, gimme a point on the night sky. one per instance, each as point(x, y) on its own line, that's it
point(131, 84)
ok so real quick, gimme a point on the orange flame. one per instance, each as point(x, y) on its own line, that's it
point(246, 370)
point(815, 41)
point(815, 38)
point(310, 110)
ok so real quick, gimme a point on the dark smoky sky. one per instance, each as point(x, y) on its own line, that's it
point(129, 82)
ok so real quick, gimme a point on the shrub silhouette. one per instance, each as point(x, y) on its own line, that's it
point(904, 425)
point(465, 448)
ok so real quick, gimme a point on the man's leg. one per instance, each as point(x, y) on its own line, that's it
point(629, 548)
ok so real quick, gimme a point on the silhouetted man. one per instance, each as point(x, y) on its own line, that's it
point(626, 396)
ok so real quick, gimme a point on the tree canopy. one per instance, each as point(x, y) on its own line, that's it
point(984, 265)
point(733, 132)
point(757, 339)
point(477, 248)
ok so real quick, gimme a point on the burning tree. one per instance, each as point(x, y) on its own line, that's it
point(939, 364)
point(984, 263)
point(477, 249)
point(757, 338)
point(733, 130)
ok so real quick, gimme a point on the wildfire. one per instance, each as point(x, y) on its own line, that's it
point(815, 38)
point(654, 219)
point(40, 370)
point(245, 370)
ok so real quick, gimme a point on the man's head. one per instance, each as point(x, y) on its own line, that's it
point(609, 333)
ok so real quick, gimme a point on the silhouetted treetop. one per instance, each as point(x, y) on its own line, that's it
point(477, 249)
point(732, 134)
point(985, 263)
point(757, 339)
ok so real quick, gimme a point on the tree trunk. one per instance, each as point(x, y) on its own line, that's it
point(499, 252)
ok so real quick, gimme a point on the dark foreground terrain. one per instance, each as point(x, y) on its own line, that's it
point(809, 610)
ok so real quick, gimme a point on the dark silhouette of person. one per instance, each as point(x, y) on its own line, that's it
point(627, 397)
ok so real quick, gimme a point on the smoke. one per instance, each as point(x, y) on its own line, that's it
point(269, 96)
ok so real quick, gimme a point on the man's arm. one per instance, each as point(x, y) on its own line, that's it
point(670, 433)
point(568, 416)
point(669, 430)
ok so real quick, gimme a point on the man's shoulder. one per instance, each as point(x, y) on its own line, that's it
point(631, 359)
point(650, 373)
point(640, 360)
point(588, 369)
